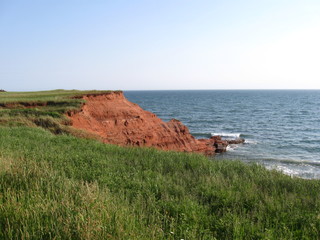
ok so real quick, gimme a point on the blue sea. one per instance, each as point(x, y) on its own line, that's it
point(281, 127)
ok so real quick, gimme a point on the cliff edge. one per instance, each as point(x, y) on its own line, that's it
point(119, 121)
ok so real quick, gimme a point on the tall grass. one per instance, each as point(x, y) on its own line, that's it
point(62, 187)
point(55, 186)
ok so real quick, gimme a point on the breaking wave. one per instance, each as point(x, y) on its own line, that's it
point(227, 135)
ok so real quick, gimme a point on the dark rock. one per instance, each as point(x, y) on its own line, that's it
point(236, 141)
point(221, 146)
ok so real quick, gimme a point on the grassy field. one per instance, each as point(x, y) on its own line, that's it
point(58, 186)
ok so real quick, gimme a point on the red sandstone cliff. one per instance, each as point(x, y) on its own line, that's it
point(119, 121)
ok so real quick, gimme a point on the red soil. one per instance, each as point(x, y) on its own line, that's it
point(119, 121)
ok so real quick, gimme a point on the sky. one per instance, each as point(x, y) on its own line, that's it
point(159, 45)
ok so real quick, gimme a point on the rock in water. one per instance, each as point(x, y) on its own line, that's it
point(236, 141)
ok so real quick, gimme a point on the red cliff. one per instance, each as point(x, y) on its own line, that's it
point(119, 121)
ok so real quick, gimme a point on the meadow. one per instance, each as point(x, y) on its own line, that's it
point(59, 184)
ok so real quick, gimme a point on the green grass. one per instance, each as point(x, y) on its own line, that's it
point(45, 109)
point(54, 96)
point(56, 186)
point(53, 103)
point(62, 187)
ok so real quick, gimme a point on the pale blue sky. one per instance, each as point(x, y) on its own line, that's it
point(164, 44)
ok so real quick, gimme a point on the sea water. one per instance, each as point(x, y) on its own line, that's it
point(281, 127)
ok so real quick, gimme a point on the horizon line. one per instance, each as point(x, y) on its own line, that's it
point(128, 90)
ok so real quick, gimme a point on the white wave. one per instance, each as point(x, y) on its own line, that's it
point(227, 135)
point(251, 142)
point(287, 171)
point(231, 148)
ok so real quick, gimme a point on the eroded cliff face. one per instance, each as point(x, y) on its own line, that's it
point(119, 121)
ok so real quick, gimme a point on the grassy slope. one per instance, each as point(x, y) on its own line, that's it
point(63, 187)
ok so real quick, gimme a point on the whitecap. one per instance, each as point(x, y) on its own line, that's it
point(231, 148)
point(227, 135)
point(251, 142)
point(287, 171)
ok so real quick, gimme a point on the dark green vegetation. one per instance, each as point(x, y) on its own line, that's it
point(63, 187)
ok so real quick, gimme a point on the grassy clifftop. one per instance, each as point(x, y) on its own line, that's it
point(64, 187)
point(56, 96)
point(45, 109)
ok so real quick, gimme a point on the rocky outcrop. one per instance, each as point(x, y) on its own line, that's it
point(236, 141)
point(119, 121)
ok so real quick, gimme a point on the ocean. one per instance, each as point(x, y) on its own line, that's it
point(281, 127)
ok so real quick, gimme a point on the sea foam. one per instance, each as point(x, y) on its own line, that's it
point(227, 135)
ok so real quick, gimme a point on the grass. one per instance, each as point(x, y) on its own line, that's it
point(51, 103)
point(64, 187)
point(55, 97)
point(45, 109)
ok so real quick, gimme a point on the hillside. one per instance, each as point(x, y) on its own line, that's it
point(55, 185)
